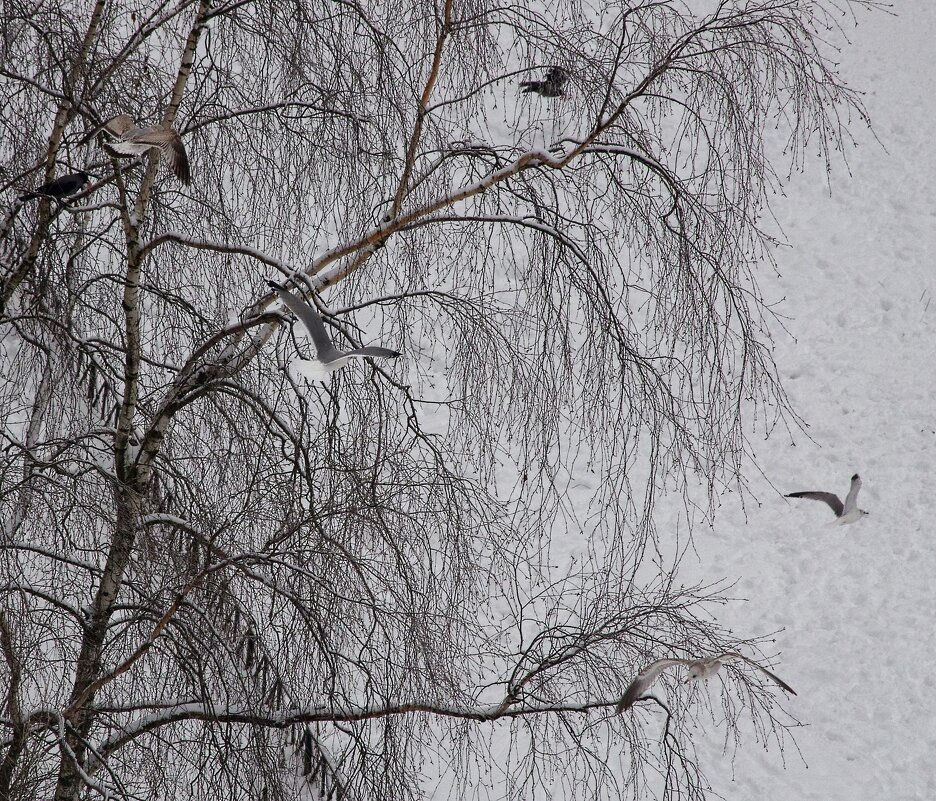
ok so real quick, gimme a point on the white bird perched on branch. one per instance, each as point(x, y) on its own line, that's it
point(703, 668)
point(135, 141)
point(847, 512)
point(327, 354)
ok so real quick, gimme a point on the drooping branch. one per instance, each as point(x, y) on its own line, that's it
point(571, 282)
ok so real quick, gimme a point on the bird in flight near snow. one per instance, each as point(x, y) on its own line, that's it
point(330, 357)
point(550, 86)
point(60, 188)
point(847, 512)
point(133, 140)
point(699, 669)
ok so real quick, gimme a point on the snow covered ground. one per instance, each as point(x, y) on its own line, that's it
point(857, 604)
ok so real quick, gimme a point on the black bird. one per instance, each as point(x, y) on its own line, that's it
point(550, 86)
point(60, 188)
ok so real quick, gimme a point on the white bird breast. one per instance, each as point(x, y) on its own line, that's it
point(129, 148)
point(309, 370)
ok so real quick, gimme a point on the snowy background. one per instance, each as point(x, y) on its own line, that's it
point(856, 604)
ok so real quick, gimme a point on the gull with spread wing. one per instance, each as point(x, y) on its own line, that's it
point(327, 355)
point(847, 512)
point(703, 668)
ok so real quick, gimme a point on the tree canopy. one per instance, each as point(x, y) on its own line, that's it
point(224, 577)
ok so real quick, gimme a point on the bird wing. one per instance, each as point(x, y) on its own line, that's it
point(825, 497)
point(374, 350)
point(179, 161)
point(170, 143)
point(125, 147)
point(851, 501)
point(324, 347)
point(646, 678)
point(774, 678)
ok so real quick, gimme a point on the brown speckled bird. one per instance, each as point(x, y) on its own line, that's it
point(135, 141)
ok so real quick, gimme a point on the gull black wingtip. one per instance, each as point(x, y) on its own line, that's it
point(274, 285)
point(845, 513)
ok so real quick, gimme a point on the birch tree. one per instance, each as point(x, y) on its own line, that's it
point(224, 578)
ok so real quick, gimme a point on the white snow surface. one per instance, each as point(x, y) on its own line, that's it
point(855, 605)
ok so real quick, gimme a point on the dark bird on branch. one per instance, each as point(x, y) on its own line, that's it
point(550, 86)
point(135, 141)
point(60, 188)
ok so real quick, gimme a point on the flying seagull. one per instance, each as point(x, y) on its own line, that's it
point(847, 512)
point(135, 141)
point(326, 353)
point(550, 86)
point(60, 188)
point(703, 668)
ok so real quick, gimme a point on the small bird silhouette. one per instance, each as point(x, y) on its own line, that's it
point(699, 669)
point(60, 188)
point(847, 512)
point(327, 355)
point(550, 86)
point(135, 141)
